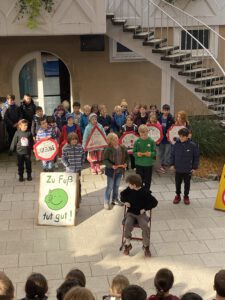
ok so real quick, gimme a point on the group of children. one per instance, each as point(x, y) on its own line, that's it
point(71, 130)
point(74, 288)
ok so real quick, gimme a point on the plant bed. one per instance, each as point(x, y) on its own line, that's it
point(210, 168)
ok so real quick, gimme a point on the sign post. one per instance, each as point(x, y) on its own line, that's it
point(57, 199)
point(220, 199)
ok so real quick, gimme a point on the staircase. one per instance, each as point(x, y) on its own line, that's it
point(147, 31)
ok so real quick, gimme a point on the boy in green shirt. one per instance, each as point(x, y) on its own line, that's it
point(144, 152)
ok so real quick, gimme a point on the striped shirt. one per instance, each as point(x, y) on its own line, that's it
point(73, 158)
point(45, 133)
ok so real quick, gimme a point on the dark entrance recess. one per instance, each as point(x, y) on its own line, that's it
point(64, 81)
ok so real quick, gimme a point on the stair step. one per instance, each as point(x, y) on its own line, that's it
point(110, 15)
point(209, 89)
point(143, 35)
point(165, 49)
point(118, 21)
point(175, 56)
point(205, 79)
point(154, 42)
point(186, 63)
point(131, 28)
point(217, 107)
point(196, 71)
point(220, 97)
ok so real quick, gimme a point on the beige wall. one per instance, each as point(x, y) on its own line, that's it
point(94, 78)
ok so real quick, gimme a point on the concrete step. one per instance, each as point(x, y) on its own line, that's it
point(143, 35)
point(118, 21)
point(217, 107)
point(165, 49)
point(210, 78)
point(110, 15)
point(212, 98)
point(176, 56)
point(210, 89)
point(186, 63)
point(154, 42)
point(196, 71)
point(131, 28)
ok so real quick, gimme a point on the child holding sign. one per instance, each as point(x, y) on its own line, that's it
point(95, 156)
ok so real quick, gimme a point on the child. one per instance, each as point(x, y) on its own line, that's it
point(135, 111)
point(79, 293)
point(28, 109)
point(76, 113)
point(65, 287)
point(35, 123)
point(52, 123)
point(46, 131)
point(95, 109)
point(153, 110)
point(77, 274)
point(36, 287)
point(219, 285)
point(144, 152)
point(23, 142)
point(128, 127)
point(182, 120)
point(73, 157)
point(69, 128)
point(6, 287)
point(94, 156)
point(12, 116)
point(163, 282)
point(60, 117)
point(119, 283)
point(166, 120)
point(137, 200)
point(115, 160)
point(84, 118)
point(191, 296)
point(124, 106)
point(118, 120)
point(134, 292)
point(104, 119)
point(142, 117)
point(185, 160)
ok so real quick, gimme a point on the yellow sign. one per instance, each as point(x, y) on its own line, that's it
point(220, 199)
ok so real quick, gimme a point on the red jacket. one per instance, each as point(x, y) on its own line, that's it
point(63, 138)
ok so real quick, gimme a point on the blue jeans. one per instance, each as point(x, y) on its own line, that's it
point(165, 154)
point(47, 165)
point(113, 184)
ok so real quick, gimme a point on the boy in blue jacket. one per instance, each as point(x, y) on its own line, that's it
point(185, 160)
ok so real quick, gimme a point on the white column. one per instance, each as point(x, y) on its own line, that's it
point(167, 89)
point(40, 81)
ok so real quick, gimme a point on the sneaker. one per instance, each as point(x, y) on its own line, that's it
point(161, 170)
point(186, 200)
point(98, 171)
point(56, 165)
point(117, 202)
point(29, 177)
point(127, 249)
point(106, 206)
point(147, 251)
point(177, 199)
point(21, 179)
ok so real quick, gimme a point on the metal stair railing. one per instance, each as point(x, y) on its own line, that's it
point(147, 16)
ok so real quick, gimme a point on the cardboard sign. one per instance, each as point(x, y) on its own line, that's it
point(155, 133)
point(220, 199)
point(46, 149)
point(57, 198)
point(96, 140)
point(172, 133)
point(128, 139)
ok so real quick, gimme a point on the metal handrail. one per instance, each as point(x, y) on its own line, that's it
point(194, 18)
point(187, 32)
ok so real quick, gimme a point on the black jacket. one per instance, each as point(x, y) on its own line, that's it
point(185, 156)
point(23, 142)
point(28, 111)
point(138, 199)
point(12, 115)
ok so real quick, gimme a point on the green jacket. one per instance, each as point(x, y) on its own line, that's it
point(143, 146)
point(109, 159)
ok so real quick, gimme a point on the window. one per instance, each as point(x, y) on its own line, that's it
point(92, 42)
point(120, 53)
point(187, 42)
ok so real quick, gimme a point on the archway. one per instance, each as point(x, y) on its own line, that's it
point(45, 76)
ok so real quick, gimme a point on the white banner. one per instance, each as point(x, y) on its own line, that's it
point(57, 198)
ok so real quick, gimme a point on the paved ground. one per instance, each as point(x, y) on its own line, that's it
point(188, 240)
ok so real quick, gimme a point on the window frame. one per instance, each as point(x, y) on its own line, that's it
point(115, 56)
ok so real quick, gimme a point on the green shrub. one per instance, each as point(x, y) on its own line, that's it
point(209, 135)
